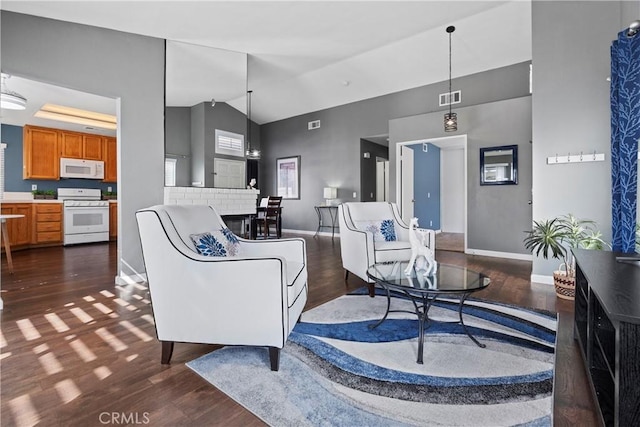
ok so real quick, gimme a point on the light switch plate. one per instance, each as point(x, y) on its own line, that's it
point(34, 187)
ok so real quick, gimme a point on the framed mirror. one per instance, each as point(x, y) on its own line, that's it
point(205, 97)
point(499, 165)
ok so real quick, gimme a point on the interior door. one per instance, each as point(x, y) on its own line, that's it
point(382, 180)
point(406, 186)
point(452, 191)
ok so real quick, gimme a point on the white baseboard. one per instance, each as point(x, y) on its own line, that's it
point(312, 233)
point(539, 278)
point(496, 254)
point(125, 279)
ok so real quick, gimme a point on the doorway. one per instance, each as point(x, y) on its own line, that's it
point(452, 224)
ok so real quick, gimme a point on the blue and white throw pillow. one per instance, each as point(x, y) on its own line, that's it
point(383, 230)
point(220, 243)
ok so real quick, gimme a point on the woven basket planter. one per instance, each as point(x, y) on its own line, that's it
point(565, 285)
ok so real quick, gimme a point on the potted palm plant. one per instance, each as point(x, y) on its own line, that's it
point(556, 237)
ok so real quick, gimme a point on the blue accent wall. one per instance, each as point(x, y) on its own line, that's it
point(13, 161)
point(426, 185)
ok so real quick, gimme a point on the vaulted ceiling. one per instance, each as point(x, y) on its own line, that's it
point(306, 56)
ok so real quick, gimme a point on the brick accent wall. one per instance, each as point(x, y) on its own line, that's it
point(226, 201)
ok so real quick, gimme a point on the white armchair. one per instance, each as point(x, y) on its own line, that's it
point(363, 241)
point(254, 298)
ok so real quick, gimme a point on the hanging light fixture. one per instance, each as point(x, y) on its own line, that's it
point(251, 153)
point(450, 119)
point(9, 99)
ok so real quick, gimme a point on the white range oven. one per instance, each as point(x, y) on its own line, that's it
point(86, 217)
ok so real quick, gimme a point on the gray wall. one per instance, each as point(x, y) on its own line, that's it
point(571, 112)
point(126, 67)
point(191, 133)
point(497, 216)
point(178, 142)
point(330, 155)
point(198, 143)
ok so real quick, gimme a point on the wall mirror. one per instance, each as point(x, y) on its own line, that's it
point(499, 165)
point(205, 92)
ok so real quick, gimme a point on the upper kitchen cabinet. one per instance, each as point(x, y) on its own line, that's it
point(110, 156)
point(76, 145)
point(41, 153)
point(93, 147)
point(71, 145)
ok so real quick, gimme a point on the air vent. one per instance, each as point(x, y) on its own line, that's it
point(314, 124)
point(455, 98)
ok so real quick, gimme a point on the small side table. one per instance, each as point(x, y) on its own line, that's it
point(5, 238)
point(333, 214)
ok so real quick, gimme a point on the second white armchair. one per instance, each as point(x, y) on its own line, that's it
point(372, 232)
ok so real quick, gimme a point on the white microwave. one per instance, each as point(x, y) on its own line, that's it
point(78, 168)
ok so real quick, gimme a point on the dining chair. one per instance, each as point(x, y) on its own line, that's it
point(270, 217)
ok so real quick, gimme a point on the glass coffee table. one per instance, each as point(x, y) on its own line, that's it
point(422, 291)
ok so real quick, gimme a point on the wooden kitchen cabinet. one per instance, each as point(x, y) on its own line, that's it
point(113, 221)
point(71, 145)
point(75, 145)
point(92, 147)
point(19, 229)
point(47, 223)
point(41, 153)
point(110, 157)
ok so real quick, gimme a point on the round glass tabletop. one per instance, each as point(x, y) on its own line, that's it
point(448, 278)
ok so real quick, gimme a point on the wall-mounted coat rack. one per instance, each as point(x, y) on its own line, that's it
point(576, 158)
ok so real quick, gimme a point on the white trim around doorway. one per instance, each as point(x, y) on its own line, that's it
point(446, 142)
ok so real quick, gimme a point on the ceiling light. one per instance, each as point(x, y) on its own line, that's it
point(77, 116)
point(9, 99)
point(450, 119)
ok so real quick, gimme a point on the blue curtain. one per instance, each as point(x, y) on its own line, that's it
point(625, 132)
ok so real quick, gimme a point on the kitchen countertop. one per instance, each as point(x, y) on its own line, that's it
point(38, 201)
point(27, 197)
point(30, 201)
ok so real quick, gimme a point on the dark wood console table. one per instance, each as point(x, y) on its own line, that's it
point(607, 328)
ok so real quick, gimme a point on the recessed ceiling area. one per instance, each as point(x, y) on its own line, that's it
point(38, 94)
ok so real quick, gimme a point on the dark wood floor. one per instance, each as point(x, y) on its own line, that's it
point(76, 350)
point(450, 241)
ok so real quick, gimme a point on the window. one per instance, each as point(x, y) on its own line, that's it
point(229, 143)
point(170, 172)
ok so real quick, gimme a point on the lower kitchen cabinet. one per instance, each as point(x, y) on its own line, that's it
point(47, 223)
point(19, 229)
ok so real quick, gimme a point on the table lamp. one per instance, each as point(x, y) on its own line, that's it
point(330, 193)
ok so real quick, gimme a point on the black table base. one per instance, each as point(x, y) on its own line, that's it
point(422, 303)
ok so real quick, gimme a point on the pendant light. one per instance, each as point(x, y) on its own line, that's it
point(450, 119)
point(251, 153)
point(9, 99)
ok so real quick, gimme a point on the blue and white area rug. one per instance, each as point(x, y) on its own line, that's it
point(335, 371)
